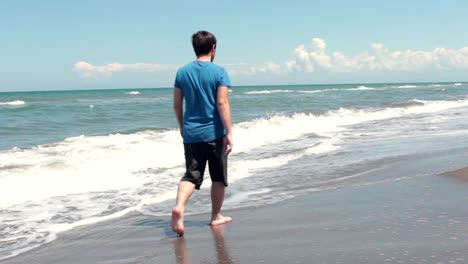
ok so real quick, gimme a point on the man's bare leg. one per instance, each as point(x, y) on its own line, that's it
point(183, 194)
point(217, 199)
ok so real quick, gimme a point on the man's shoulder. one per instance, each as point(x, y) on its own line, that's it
point(217, 67)
point(185, 67)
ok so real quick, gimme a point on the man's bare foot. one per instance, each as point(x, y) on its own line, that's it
point(220, 220)
point(178, 221)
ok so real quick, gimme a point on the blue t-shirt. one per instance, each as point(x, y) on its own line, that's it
point(199, 82)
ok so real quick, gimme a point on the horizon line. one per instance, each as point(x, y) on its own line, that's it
point(258, 85)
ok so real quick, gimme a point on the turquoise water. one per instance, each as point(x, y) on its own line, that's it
point(69, 158)
point(33, 118)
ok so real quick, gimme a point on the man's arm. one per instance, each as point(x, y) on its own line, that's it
point(224, 110)
point(178, 108)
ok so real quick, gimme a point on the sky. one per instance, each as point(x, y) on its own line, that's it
point(105, 44)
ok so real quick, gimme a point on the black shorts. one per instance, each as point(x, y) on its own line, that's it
point(196, 156)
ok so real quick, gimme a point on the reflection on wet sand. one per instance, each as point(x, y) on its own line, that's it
point(222, 252)
point(180, 251)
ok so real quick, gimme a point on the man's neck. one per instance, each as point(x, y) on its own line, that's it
point(204, 58)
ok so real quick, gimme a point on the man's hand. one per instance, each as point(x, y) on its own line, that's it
point(224, 109)
point(228, 143)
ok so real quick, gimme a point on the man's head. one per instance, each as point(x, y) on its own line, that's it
point(203, 43)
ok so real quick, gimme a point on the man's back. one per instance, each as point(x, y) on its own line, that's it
point(198, 82)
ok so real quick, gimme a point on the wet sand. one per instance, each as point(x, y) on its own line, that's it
point(460, 174)
point(417, 220)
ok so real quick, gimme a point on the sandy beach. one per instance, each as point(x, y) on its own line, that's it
point(409, 220)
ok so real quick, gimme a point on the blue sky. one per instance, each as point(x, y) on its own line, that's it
point(64, 45)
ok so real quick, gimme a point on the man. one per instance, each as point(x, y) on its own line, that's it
point(205, 127)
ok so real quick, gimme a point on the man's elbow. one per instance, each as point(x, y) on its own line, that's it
point(222, 103)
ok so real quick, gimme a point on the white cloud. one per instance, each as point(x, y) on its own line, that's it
point(252, 69)
point(319, 44)
point(89, 71)
point(316, 59)
point(378, 58)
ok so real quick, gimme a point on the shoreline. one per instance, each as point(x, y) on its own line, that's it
point(461, 174)
point(415, 219)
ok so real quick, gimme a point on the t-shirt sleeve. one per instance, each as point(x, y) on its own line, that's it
point(223, 79)
point(177, 80)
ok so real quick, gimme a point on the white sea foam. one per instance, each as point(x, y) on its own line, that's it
point(457, 84)
point(269, 91)
point(81, 180)
point(318, 91)
point(87, 164)
point(70, 173)
point(17, 102)
point(134, 92)
point(296, 91)
point(83, 164)
point(256, 133)
point(239, 197)
point(360, 88)
point(407, 86)
point(313, 91)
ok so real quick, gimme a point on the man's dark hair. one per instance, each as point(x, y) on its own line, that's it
point(202, 42)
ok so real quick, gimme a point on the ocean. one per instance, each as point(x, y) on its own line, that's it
point(70, 158)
